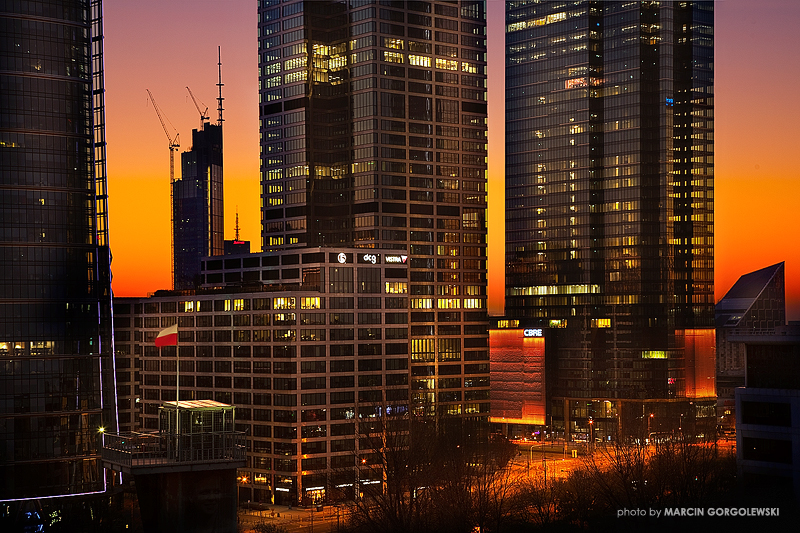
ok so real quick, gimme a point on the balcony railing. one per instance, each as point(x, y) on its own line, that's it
point(153, 449)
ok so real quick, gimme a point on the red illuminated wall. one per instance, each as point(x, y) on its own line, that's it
point(517, 377)
point(700, 355)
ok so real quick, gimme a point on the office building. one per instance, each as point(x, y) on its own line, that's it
point(56, 350)
point(197, 206)
point(755, 305)
point(307, 344)
point(373, 136)
point(609, 207)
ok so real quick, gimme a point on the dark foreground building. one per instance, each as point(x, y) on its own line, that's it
point(767, 407)
point(609, 206)
point(57, 382)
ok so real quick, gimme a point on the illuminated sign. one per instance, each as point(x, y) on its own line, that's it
point(342, 257)
point(372, 259)
point(532, 332)
point(395, 259)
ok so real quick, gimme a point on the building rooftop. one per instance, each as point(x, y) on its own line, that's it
point(197, 405)
point(744, 293)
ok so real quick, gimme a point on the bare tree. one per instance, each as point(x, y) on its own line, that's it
point(535, 500)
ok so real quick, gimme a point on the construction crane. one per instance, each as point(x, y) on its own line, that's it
point(203, 114)
point(174, 142)
point(174, 145)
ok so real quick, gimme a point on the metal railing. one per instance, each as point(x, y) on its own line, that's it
point(152, 449)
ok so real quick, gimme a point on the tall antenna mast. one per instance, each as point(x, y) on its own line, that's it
point(219, 84)
point(236, 237)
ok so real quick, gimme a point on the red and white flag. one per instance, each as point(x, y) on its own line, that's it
point(167, 336)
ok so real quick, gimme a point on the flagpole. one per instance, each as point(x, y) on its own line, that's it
point(178, 395)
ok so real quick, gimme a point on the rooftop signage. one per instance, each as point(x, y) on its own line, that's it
point(395, 259)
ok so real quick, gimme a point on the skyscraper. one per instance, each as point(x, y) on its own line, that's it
point(57, 383)
point(197, 206)
point(373, 135)
point(609, 204)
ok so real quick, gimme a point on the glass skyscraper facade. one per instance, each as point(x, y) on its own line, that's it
point(373, 135)
point(56, 353)
point(197, 217)
point(609, 196)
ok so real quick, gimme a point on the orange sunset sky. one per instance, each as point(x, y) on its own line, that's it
point(166, 46)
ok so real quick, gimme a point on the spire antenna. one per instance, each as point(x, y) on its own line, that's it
point(219, 84)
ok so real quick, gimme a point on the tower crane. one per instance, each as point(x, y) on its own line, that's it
point(204, 113)
point(174, 145)
point(174, 142)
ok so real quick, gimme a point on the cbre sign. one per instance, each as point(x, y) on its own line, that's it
point(532, 332)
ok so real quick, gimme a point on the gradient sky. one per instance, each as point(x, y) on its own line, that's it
point(166, 46)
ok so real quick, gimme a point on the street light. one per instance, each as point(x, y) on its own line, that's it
point(240, 480)
point(649, 420)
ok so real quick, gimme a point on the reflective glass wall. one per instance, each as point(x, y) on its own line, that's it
point(56, 368)
point(609, 188)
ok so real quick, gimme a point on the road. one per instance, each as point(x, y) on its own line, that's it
point(294, 520)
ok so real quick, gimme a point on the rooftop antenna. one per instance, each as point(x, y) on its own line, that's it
point(219, 84)
point(236, 236)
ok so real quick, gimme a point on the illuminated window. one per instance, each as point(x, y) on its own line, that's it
point(285, 335)
point(448, 303)
point(292, 77)
point(507, 324)
point(601, 322)
point(396, 287)
point(419, 61)
point(472, 68)
point(473, 303)
point(421, 303)
point(393, 57)
point(239, 305)
point(268, 70)
point(560, 323)
point(448, 290)
point(188, 307)
point(549, 19)
point(397, 44)
point(293, 63)
point(283, 303)
point(310, 302)
point(337, 63)
point(275, 81)
point(423, 349)
point(446, 64)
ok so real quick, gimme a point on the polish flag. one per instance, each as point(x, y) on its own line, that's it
point(167, 336)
